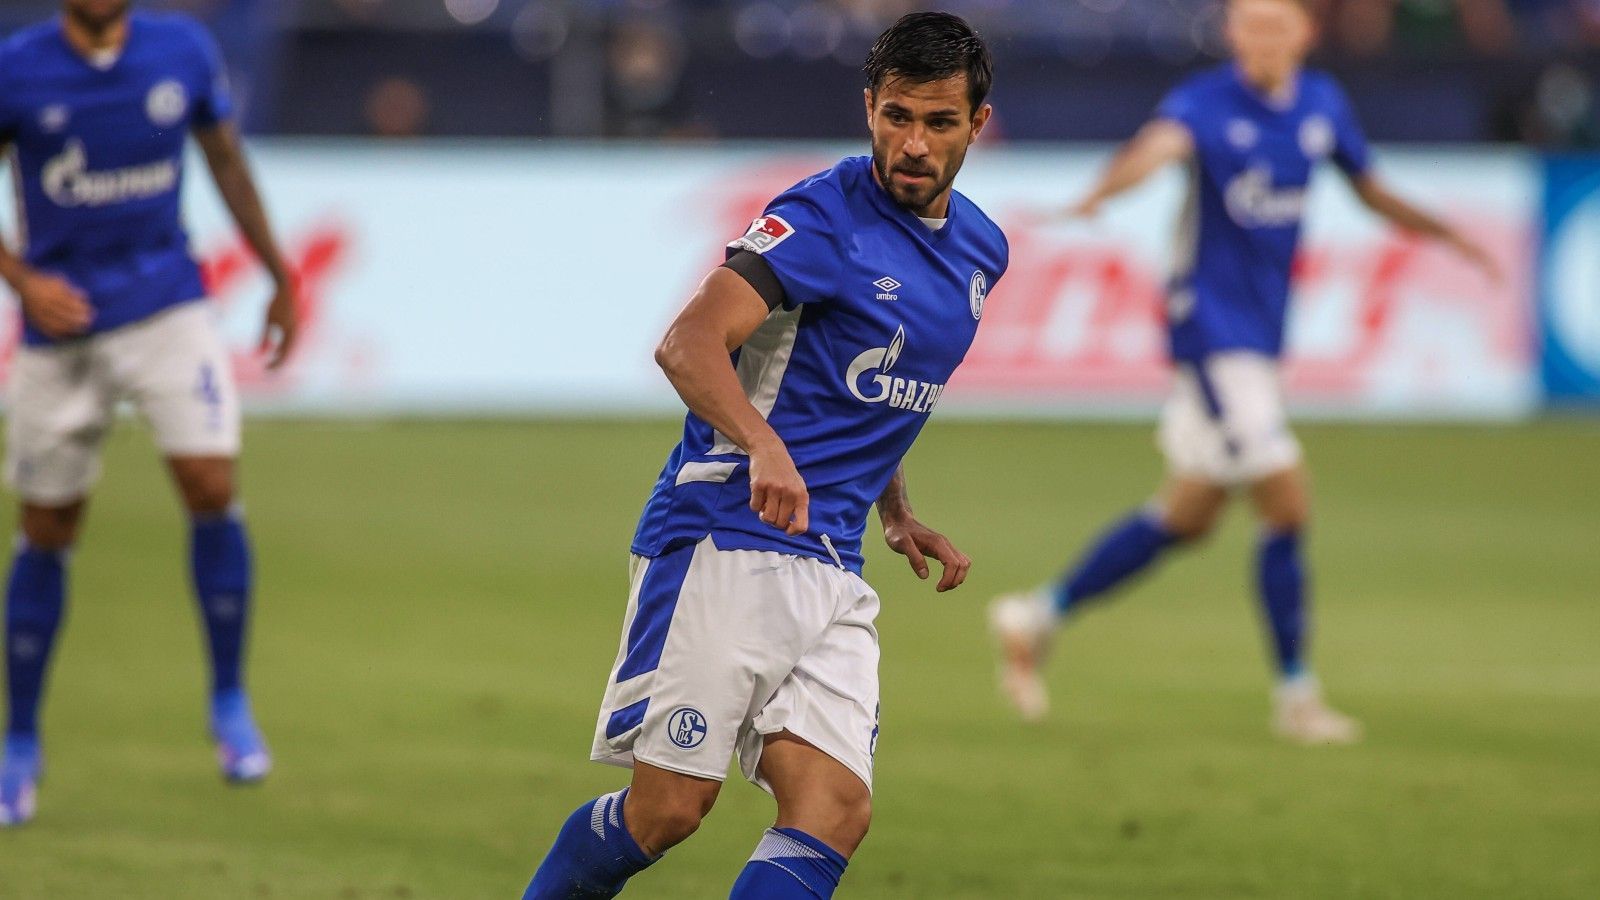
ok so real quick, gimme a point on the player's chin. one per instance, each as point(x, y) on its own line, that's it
point(912, 197)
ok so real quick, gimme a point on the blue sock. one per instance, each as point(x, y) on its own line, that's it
point(593, 857)
point(35, 597)
point(219, 554)
point(1122, 551)
point(789, 865)
point(1280, 576)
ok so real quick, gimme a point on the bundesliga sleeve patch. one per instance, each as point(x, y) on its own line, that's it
point(764, 234)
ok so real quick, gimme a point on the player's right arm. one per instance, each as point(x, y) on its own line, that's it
point(695, 355)
point(52, 304)
point(1160, 143)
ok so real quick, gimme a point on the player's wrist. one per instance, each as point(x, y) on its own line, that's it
point(16, 273)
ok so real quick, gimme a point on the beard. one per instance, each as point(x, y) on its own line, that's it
point(912, 197)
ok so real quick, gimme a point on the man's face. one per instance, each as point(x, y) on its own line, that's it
point(920, 135)
point(1270, 38)
point(96, 14)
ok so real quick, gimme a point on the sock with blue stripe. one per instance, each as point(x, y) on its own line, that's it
point(593, 856)
point(1124, 550)
point(1280, 577)
point(219, 556)
point(35, 598)
point(789, 865)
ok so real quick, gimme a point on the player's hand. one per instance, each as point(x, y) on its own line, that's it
point(1474, 253)
point(54, 305)
point(916, 542)
point(777, 492)
point(282, 325)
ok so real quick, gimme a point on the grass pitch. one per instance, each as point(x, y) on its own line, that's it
point(439, 604)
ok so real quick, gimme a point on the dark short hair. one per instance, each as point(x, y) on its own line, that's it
point(931, 46)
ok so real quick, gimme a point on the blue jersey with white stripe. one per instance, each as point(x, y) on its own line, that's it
point(99, 159)
point(1253, 160)
point(879, 311)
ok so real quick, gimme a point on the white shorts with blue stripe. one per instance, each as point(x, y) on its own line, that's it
point(721, 648)
point(1225, 421)
point(62, 400)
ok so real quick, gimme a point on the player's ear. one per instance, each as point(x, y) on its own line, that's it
point(980, 120)
point(866, 97)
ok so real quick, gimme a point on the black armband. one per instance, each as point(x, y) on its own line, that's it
point(756, 271)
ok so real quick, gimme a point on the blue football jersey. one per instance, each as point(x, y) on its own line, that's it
point(99, 159)
point(879, 310)
point(1252, 164)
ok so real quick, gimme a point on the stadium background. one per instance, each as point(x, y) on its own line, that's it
point(497, 205)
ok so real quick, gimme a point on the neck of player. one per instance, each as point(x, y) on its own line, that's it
point(90, 37)
point(1276, 86)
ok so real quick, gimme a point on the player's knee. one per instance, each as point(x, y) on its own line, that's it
point(837, 814)
point(1190, 527)
point(1287, 514)
point(664, 822)
point(207, 491)
point(1286, 521)
point(855, 820)
point(51, 527)
point(663, 809)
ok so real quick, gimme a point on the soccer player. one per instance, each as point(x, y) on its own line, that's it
point(809, 363)
point(1251, 132)
point(96, 105)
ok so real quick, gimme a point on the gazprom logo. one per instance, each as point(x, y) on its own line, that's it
point(68, 181)
point(1254, 203)
point(872, 368)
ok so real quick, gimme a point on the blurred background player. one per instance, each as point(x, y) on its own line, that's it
point(96, 105)
point(750, 631)
point(1252, 132)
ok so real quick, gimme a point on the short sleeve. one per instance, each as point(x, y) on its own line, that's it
point(1350, 150)
point(213, 102)
point(798, 237)
point(1179, 106)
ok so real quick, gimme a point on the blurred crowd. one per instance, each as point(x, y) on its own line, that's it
point(1354, 27)
point(1515, 70)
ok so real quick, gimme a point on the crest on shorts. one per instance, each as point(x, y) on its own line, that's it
point(764, 234)
point(167, 103)
point(687, 727)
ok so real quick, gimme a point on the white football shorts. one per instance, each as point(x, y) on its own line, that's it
point(1225, 421)
point(61, 400)
point(721, 648)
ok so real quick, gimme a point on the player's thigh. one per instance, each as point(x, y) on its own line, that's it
point(831, 698)
point(709, 635)
point(59, 406)
point(176, 369)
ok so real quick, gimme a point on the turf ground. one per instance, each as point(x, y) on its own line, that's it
point(439, 604)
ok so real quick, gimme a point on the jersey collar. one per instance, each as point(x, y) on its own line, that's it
point(1266, 102)
point(88, 63)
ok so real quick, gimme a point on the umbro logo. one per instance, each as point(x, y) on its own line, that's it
point(886, 288)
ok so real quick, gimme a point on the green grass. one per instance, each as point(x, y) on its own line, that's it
point(439, 604)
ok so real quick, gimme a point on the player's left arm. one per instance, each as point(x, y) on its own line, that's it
point(225, 157)
point(916, 541)
point(1378, 198)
